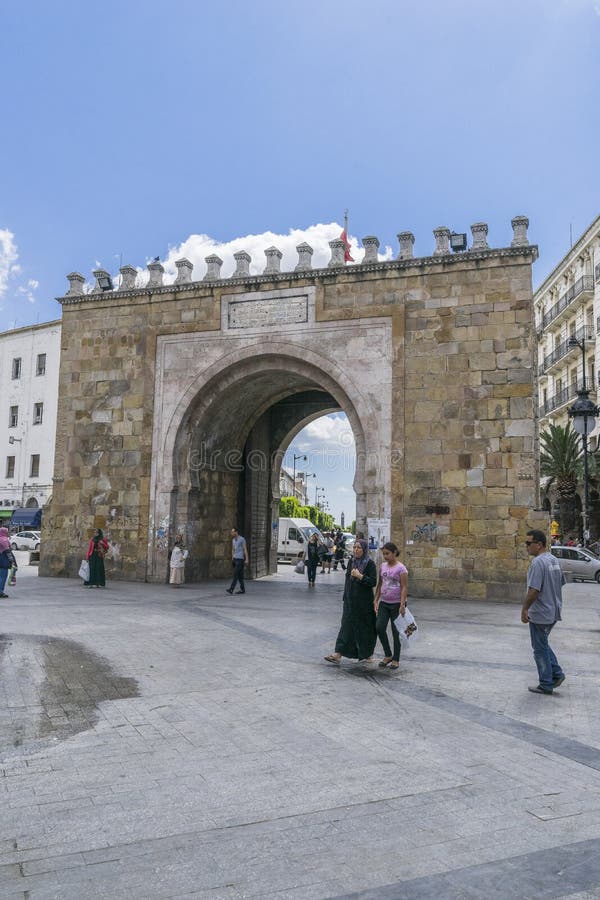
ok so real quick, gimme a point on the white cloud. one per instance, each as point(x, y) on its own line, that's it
point(198, 246)
point(327, 441)
point(332, 429)
point(10, 270)
point(26, 292)
point(8, 259)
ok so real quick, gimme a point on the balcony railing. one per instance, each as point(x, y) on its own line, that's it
point(584, 333)
point(597, 272)
point(562, 397)
point(585, 283)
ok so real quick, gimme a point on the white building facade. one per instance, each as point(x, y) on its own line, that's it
point(288, 489)
point(29, 366)
point(567, 305)
point(567, 313)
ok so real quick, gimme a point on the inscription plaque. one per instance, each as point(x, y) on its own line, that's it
point(270, 311)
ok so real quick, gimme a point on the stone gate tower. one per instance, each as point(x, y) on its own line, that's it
point(177, 401)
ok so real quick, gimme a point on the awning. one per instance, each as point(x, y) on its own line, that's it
point(5, 513)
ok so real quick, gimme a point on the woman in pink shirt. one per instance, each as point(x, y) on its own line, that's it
point(390, 602)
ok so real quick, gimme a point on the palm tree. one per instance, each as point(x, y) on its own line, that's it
point(561, 460)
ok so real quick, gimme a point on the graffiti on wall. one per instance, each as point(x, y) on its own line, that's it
point(426, 532)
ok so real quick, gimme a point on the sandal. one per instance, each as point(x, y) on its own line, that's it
point(394, 665)
point(333, 659)
point(385, 662)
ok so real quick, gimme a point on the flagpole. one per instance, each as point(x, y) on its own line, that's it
point(345, 236)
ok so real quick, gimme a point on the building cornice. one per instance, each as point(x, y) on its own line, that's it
point(25, 328)
point(384, 267)
point(588, 235)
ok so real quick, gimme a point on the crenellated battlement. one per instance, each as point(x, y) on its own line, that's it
point(135, 280)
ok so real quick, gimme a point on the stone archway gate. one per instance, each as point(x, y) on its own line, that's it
point(170, 394)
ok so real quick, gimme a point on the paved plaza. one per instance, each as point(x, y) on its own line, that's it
point(165, 743)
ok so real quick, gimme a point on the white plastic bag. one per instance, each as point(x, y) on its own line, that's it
point(407, 628)
point(84, 570)
point(299, 567)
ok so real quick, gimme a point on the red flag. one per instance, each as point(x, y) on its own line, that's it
point(344, 238)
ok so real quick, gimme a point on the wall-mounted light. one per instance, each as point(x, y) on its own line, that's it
point(458, 242)
point(105, 283)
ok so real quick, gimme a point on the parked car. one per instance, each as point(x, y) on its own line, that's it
point(349, 542)
point(26, 540)
point(578, 562)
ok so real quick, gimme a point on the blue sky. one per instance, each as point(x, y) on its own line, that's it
point(130, 127)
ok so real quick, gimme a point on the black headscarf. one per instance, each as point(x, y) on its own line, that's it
point(360, 563)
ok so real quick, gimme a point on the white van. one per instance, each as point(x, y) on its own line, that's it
point(293, 538)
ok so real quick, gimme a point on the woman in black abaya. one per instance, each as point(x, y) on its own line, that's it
point(357, 635)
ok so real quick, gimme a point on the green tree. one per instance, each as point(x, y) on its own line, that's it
point(313, 515)
point(289, 506)
point(561, 457)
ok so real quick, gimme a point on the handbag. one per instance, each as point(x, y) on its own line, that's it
point(84, 570)
point(299, 567)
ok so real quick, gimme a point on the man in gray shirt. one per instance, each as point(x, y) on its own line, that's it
point(239, 556)
point(541, 610)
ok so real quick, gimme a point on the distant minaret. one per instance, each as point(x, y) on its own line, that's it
point(342, 520)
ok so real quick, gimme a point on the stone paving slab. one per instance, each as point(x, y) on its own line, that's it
point(166, 743)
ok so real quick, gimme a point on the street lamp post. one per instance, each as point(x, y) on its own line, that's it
point(308, 475)
point(317, 498)
point(298, 456)
point(584, 412)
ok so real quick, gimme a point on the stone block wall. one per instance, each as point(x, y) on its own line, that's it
point(460, 480)
point(104, 428)
point(469, 428)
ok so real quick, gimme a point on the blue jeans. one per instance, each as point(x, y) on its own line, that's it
point(3, 577)
point(547, 664)
point(311, 569)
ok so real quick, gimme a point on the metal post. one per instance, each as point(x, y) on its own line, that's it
point(586, 487)
point(297, 456)
point(582, 411)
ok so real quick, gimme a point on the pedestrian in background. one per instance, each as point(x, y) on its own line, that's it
point(97, 550)
point(340, 546)
point(542, 610)
point(6, 559)
point(311, 558)
point(357, 635)
point(177, 563)
point(239, 556)
point(327, 555)
point(390, 602)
